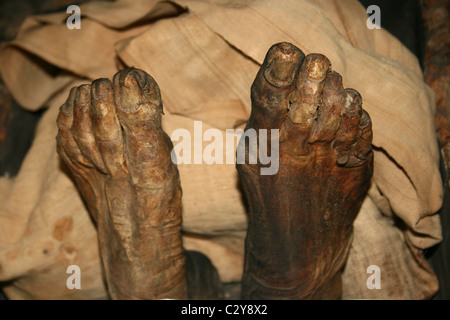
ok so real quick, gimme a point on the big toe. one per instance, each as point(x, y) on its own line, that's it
point(273, 83)
point(281, 64)
point(134, 89)
point(139, 110)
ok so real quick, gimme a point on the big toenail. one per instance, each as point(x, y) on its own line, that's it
point(283, 65)
point(136, 78)
point(130, 81)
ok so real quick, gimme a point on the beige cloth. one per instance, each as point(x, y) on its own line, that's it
point(205, 60)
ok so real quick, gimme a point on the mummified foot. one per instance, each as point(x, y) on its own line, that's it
point(110, 137)
point(300, 219)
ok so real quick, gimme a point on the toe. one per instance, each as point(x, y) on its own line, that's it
point(66, 145)
point(106, 126)
point(349, 128)
point(304, 101)
point(329, 110)
point(363, 145)
point(83, 128)
point(139, 111)
point(273, 83)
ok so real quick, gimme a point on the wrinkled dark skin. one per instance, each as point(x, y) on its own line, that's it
point(300, 219)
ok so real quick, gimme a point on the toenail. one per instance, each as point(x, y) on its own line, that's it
point(349, 102)
point(355, 96)
point(130, 81)
point(101, 88)
point(67, 107)
point(352, 106)
point(317, 66)
point(365, 119)
point(342, 159)
point(335, 80)
point(135, 77)
point(83, 94)
point(283, 66)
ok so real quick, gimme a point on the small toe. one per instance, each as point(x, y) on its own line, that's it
point(363, 145)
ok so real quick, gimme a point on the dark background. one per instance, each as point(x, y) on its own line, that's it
point(402, 18)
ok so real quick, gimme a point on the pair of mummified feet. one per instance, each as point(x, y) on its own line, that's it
point(300, 219)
